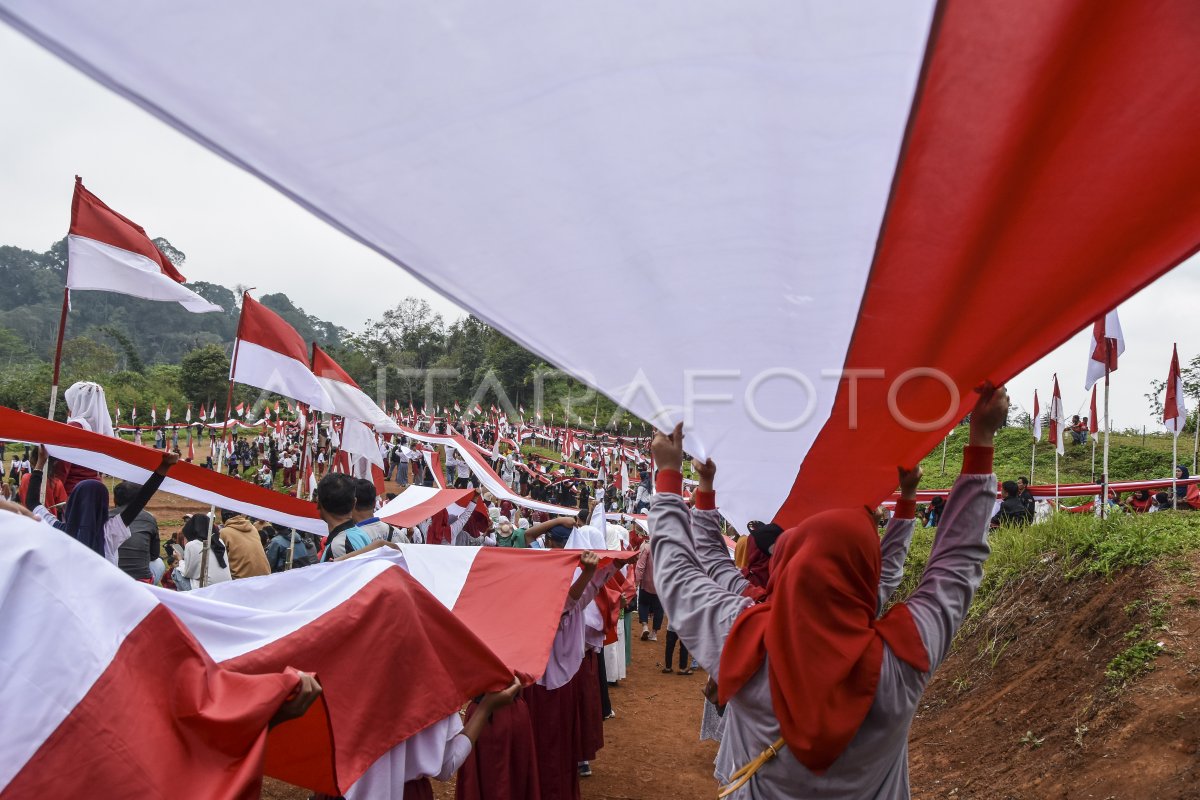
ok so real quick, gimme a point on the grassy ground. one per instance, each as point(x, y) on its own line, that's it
point(1075, 544)
point(1130, 458)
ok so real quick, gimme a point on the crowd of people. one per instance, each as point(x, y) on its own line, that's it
point(813, 673)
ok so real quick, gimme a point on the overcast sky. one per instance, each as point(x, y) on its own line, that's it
point(235, 229)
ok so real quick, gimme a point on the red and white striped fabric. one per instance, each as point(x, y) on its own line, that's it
point(110, 253)
point(875, 201)
point(1174, 404)
point(419, 503)
point(481, 585)
point(84, 713)
point(350, 623)
point(1108, 342)
point(488, 479)
point(270, 354)
point(133, 462)
point(345, 396)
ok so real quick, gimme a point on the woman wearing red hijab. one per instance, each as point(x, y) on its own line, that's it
point(820, 691)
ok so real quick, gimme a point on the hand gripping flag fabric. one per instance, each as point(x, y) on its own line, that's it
point(875, 200)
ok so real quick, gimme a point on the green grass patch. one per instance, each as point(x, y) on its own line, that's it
point(1077, 544)
point(1132, 663)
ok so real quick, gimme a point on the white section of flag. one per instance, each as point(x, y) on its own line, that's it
point(36, 701)
point(97, 266)
point(258, 366)
point(353, 403)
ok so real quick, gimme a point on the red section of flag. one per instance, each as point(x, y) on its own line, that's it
point(1171, 402)
point(90, 217)
point(210, 735)
point(262, 326)
point(404, 623)
point(326, 367)
point(1048, 146)
point(1094, 419)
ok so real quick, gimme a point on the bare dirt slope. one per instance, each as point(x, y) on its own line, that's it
point(1023, 708)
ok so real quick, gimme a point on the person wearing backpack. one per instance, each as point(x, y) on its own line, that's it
point(364, 515)
point(335, 504)
point(281, 542)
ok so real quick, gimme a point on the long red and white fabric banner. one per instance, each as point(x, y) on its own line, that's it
point(916, 144)
point(134, 462)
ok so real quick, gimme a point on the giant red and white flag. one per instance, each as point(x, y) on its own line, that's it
point(1107, 343)
point(1174, 404)
point(916, 144)
point(1058, 420)
point(206, 729)
point(345, 397)
point(270, 354)
point(111, 253)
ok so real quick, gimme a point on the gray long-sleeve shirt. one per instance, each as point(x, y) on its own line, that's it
point(703, 608)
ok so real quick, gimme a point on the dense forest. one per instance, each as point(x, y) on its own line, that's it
point(148, 353)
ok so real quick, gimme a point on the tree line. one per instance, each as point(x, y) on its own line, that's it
point(155, 354)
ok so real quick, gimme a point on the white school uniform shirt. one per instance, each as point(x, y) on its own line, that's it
point(115, 531)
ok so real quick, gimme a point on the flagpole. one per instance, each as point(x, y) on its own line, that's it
point(1094, 459)
point(1196, 446)
point(944, 440)
point(1107, 431)
point(1174, 478)
point(62, 328)
point(1032, 461)
point(1056, 498)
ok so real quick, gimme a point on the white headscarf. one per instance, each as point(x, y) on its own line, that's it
point(87, 407)
point(585, 537)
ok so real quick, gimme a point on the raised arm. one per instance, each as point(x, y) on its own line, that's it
point(955, 567)
point(129, 514)
point(896, 539)
point(534, 531)
point(701, 611)
point(711, 550)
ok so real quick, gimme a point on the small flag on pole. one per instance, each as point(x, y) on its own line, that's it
point(1094, 419)
point(1108, 342)
point(1174, 406)
point(1058, 420)
point(1037, 418)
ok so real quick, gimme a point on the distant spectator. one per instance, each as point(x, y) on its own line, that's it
point(247, 558)
point(1013, 510)
point(1026, 496)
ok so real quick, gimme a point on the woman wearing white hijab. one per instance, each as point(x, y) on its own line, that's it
point(86, 409)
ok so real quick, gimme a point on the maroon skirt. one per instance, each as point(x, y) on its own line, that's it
point(420, 789)
point(589, 717)
point(552, 714)
point(503, 764)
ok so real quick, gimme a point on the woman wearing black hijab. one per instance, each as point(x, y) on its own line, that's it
point(1181, 473)
point(86, 519)
point(194, 531)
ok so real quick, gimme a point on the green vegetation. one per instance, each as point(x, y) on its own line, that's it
point(1132, 663)
point(1078, 545)
point(146, 353)
point(1129, 459)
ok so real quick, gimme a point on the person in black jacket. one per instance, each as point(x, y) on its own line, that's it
point(1012, 509)
point(143, 546)
point(1026, 495)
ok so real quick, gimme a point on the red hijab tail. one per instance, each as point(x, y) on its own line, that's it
point(818, 625)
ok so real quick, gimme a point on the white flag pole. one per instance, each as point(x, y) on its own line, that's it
point(1174, 477)
point(1032, 461)
point(1107, 431)
point(1196, 445)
